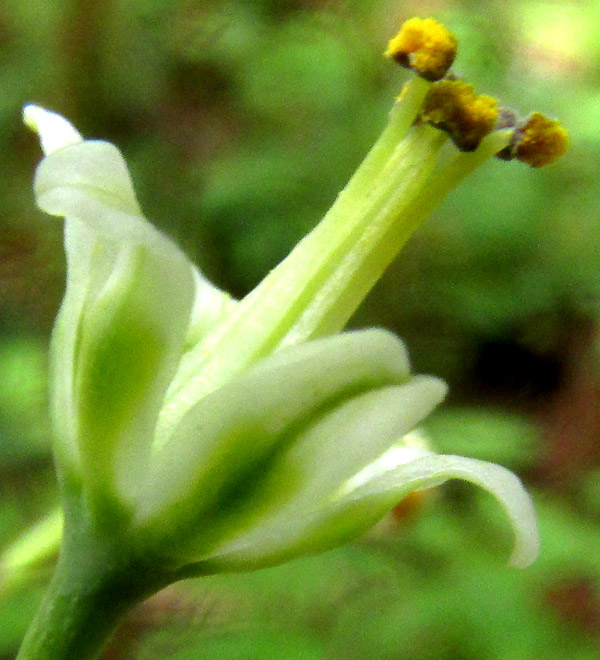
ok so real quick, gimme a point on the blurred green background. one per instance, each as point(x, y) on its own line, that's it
point(241, 120)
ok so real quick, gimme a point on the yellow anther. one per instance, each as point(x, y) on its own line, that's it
point(541, 141)
point(453, 106)
point(424, 46)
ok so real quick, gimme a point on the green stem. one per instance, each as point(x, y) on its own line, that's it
point(95, 584)
point(401, 118)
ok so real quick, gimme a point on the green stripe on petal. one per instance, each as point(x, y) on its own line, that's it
point(352, 510)
point(237, 429)
point(282, 521)
point(343, 518)
point(124, 319)
point(125, 360)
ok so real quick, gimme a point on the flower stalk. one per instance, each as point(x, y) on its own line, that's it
point(195, 434)
point(89, 593)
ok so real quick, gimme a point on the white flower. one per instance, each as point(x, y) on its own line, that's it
point(192, 425)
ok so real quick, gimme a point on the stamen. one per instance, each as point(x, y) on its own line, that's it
point(408, 172)
point(537, 140)
point(424, 46)
point(540, 141)
point(453, 106)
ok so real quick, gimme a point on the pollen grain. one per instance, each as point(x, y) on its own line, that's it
point(454, 107)
point(425, 46)
point(541, 142)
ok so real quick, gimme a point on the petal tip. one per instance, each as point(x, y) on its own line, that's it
point(54, 131)
point(509, 491)
point(523, 556)
point(527, 541)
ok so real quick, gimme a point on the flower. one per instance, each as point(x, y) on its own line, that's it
point(211, 434)
point(196, 434)
point(292, 453)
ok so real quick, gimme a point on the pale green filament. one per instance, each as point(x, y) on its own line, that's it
point(316, 289)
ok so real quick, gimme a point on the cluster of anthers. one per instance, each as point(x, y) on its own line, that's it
point(451, 104)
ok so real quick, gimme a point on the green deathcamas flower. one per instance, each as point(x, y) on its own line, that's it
point(196, 434)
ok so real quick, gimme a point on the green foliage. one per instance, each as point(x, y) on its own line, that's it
point(24, 428)
point(493, 435)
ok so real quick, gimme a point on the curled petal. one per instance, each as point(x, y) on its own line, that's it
point(54, 131)
point(296, 504)
point(348, 514)
point(397, 480)
point(124, 319)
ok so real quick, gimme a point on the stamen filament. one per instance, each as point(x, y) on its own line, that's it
point(316, 289)
point(402, 117)
point(458, 168)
